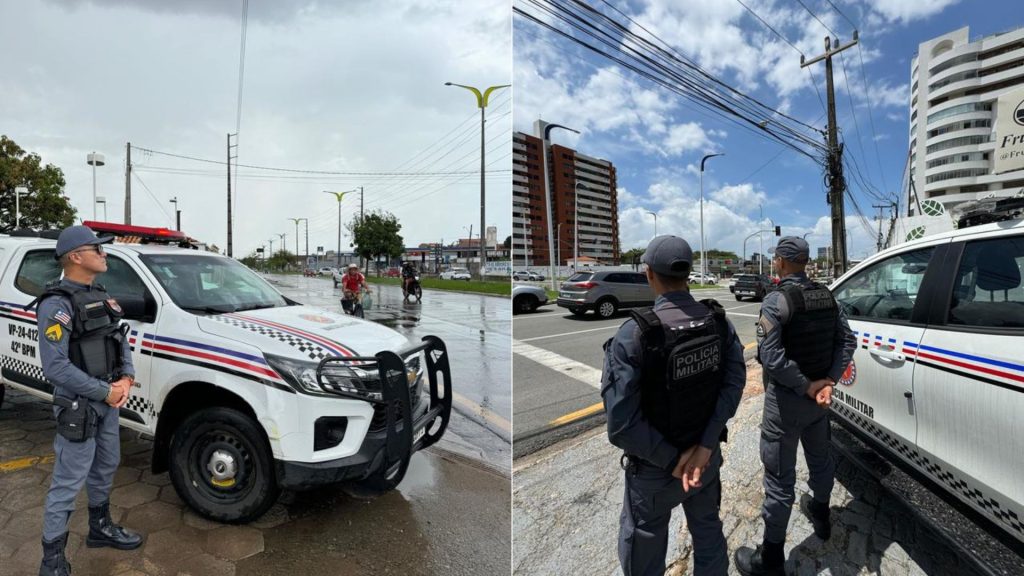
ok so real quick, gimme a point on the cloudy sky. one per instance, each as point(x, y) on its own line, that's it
point(656, 138)
point(355, 87)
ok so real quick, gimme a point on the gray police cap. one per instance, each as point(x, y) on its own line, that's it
point(77, 236)
point(794, 249)
point(669, 256)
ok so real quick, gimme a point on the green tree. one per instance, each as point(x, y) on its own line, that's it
point(252, 261)
point(45, 206)
point(377, 234)
point(280, 260)
point(628, 256)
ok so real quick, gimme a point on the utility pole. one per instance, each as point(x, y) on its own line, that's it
point(128, 186)
point(230, 158)
point(836, 182)
point(880, 207)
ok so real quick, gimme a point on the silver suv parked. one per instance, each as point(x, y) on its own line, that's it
point(604, 292)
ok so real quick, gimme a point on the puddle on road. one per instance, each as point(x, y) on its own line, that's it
point(436, 522)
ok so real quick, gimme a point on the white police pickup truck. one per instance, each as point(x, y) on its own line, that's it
point(244, 391)
point(937, 379)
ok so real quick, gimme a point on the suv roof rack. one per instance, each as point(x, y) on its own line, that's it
point(990, 209)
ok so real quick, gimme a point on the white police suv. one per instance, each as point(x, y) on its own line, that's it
point(244, 391)
point(938, 376)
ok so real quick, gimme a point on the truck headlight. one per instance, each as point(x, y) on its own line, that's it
point(360, 381)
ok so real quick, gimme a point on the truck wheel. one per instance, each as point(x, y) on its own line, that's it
point(221, 466)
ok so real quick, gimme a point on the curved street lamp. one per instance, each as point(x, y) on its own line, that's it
point(481, 102)
point(655, 214)
point(339, 196)
point(546, 144)
point(703, 256)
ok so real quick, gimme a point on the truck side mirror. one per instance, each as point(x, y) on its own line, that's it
point(141, 307)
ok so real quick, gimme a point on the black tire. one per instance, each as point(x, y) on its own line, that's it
point(225, 431)
point(738, 297)
point(578, 311)
point(607, 308)
point(524, 303)
point(418, 292)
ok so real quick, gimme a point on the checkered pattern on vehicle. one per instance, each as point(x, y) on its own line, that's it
point(141, 406)
point(311, 349)
point(933, 469)
point(22, 367)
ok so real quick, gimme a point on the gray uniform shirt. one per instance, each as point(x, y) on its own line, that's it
point(54, 319)
point(775, 314)
point(620, 385)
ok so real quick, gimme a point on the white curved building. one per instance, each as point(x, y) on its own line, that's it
point(955, 87)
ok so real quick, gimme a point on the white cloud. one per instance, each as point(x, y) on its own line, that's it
point(357, 89)
point(686, 137)
point(905, 11)
point(742, 198)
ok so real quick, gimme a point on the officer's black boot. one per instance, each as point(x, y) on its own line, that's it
point(768, 559)
point(54, 563)
point(103, 531)
point(819, 513)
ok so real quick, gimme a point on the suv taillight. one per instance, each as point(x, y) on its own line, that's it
point(586, 285)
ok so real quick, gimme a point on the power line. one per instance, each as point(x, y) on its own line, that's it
point(815, 16)
point(871, 114)
point(840, 12)
point(151, 195)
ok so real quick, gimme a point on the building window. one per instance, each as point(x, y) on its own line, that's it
point(961, 109)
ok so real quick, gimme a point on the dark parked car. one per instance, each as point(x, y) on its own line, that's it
point(751, 286)
point(604, 292)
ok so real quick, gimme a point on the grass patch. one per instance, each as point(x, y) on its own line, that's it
point(499, 288)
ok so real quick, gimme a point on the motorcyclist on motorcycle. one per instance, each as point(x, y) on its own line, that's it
point(408, 275)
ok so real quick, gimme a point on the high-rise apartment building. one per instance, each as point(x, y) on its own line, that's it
point(570, 173)
point(961, 142)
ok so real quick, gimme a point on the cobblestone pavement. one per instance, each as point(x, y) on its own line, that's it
point(567, 499)
point(437, 522)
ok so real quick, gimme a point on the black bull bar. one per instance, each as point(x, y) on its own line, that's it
point(397, 400)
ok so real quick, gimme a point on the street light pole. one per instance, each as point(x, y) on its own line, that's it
point(655, 214)
point(339, 196)
point(703, 256)
point(296, 220)
point(94, 160)
point(547, 200)
point(19, 191)
point(758, 233)
point(177, 213)
point(481, 101)
point(103, 200)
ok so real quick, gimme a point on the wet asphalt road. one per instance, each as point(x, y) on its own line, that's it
point(557, 359)
point(476, 330)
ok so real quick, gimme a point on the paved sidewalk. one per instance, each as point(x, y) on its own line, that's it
point(567, 498)
point(442, 518)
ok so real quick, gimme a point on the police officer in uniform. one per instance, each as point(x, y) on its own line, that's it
point(85, 355)
point(673, 376)
point(804, 345)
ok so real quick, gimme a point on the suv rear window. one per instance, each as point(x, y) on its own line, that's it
point(581, 277)
point(988, 291)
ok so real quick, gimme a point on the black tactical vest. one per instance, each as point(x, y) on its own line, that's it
point(683, 371)
point(95, 343)
point(809, 336)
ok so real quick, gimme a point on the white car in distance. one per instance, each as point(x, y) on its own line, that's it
point(455, 274)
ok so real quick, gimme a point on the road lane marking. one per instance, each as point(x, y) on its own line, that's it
point(569, 333)
point(567, 366)
point(486, 414)
point(577, 415)
point(22, 463)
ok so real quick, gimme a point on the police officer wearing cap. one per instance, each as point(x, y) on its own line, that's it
point(673, 376)
point(804, 345)
point(86, 356)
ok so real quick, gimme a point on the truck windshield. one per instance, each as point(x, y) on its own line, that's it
point(200, 283)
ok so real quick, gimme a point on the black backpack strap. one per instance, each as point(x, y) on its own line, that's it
point(718, 314)
point(649, 324)
point(52, 289)
point(794, 294)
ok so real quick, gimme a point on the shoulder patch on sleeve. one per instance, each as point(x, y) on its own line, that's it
point(62, 317)
point(54, 333)
point(764, 327)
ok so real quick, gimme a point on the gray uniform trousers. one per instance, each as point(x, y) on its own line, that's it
point(789, 419)
point(651, 495)
point(92, 462)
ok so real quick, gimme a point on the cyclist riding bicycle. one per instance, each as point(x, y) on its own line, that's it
point(353, 284)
